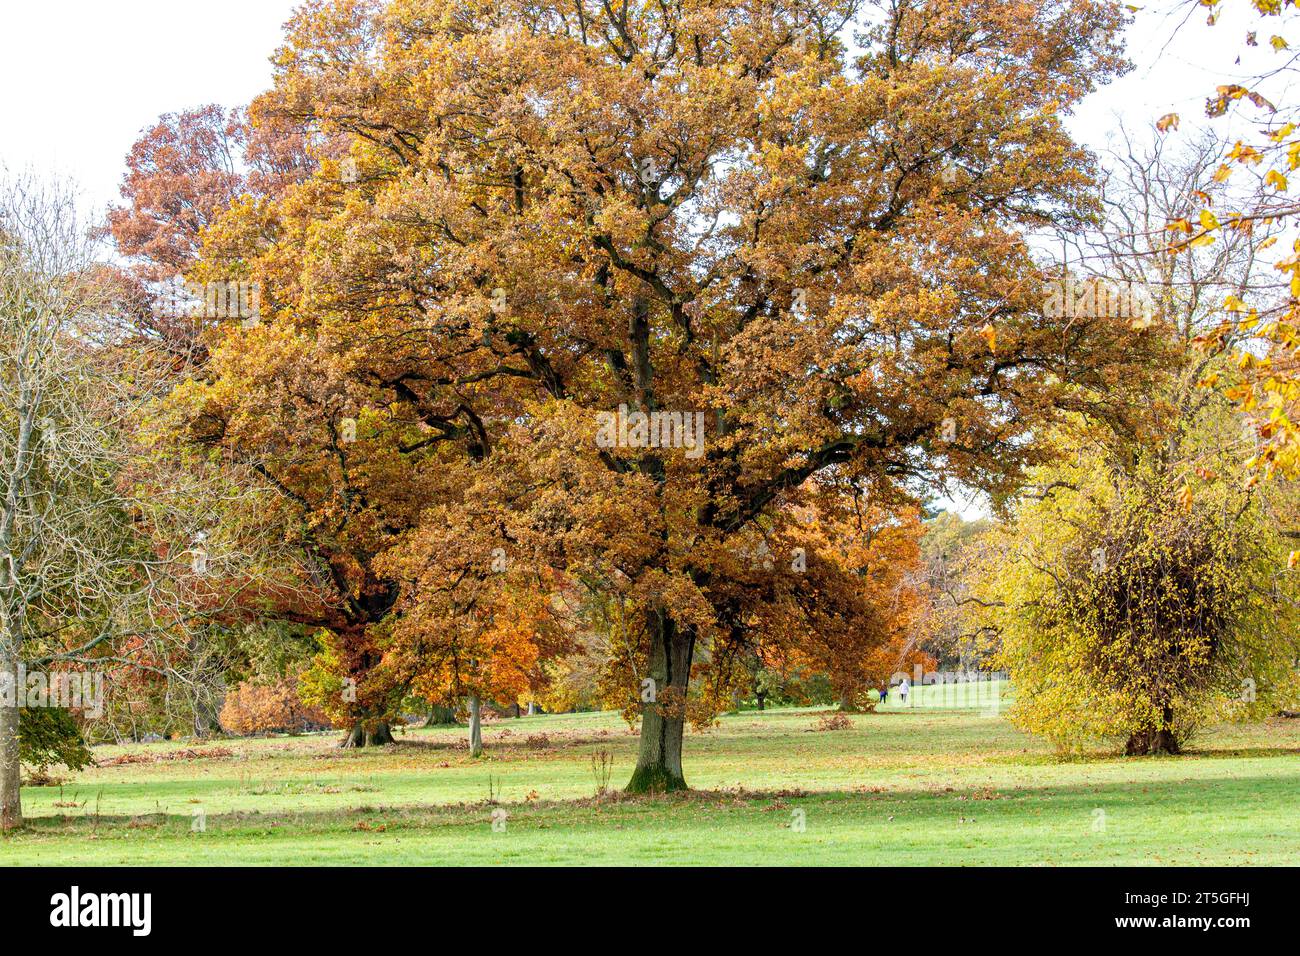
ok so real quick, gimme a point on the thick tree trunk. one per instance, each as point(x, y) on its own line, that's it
point(761, 698)
point(846, 703)
point(1154, 740)
point(11, 807)
point(365, 734)
point(663, 721)
point(440, 715)
point(379, 735)
point(475, 727)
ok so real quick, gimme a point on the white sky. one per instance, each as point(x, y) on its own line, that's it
point(81, 79)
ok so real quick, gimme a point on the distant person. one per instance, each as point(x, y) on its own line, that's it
point(884, 694)
point(902, 691)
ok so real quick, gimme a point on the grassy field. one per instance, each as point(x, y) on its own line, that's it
point(901, 787)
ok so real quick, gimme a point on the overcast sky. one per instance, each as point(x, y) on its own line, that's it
point(80, 79)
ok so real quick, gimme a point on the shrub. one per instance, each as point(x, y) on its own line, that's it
point(48, 736)
point(270, 708)
point(1133, 611)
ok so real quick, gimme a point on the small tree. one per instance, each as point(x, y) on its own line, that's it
point(1138, 586)
point(1132, 610)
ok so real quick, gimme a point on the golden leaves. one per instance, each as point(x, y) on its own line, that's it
point(1245, 154)
point(990, 336)
point(1167, 122)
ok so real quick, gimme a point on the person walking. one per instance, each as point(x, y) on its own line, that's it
point(902, 691)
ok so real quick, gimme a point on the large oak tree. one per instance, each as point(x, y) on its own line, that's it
point(805, 220)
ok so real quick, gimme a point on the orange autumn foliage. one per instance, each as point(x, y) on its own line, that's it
point(264, 708)
point(525, 216)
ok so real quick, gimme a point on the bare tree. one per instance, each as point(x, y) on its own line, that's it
point(75, 570)
point(1152, 182)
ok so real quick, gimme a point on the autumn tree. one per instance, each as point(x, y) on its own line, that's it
point(182, 174)
point(950, 549)
point(278, 403)
point(1138, 591)
point(1128, 614)
point(658, 274)
point(460, 634)
point(854, 599)
point(366, 432)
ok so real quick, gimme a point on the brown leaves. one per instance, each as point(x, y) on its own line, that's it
point(1229, 93)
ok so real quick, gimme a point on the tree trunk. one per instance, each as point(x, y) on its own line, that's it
point(11, 768)
point(1154, 740)
point(846, 703)
point(379, 735)
point(1149, 743)
point(475, 727)
point(761, 697)
point(207, 718)
point(663, 720)
point(440, 715)
point(373, 735)
point(11, 807)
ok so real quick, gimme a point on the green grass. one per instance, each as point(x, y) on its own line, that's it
point(901, 787)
